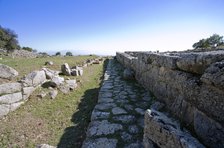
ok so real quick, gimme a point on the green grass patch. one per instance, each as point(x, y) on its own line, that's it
point(60, 122)
point(27, 65)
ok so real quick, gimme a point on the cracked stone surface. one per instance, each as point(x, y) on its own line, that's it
point(118, 118)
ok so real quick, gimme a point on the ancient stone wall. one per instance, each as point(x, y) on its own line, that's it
point(190, 84)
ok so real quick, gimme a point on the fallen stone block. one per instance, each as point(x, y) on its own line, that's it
point(4, 109)
point(167, 133)
point(11, 98)
point(7, 72)
point(210, 131)
point(8, 88)
point(27, 91)
point(34, 78)
point(66, 69)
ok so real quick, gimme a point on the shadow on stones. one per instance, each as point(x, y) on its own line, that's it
point(74, 135)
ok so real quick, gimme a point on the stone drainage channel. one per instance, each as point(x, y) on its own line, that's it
point(118, 118)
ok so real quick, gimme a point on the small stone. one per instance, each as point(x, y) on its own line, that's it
point(118, 110)
point(99, 115)
point(105, 100)
point(135, 145)
point(133, 129)
point(125, 118)
point(45, 146)
point(100, 143)
point(126, 137)
point(42, 94)
point(128, 107)
point(53, 94)
point(105, 106)
point(97, 128)
point(49, 63)
point(140, 111)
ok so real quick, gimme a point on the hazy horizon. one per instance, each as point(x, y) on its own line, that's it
point(104, 27)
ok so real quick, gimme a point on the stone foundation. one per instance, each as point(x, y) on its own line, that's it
point(190, 84)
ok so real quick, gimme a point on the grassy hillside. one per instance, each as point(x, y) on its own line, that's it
point(62, 121)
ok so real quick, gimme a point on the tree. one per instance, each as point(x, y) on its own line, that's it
point(8, 39)
point(68, 53)
point(58, 53)
point(203, 43)
point(213, 41)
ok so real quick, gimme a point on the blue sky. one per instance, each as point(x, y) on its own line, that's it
point(107, 26)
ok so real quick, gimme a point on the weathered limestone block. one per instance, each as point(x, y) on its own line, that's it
point(162, 60)
point(183, 89)
point(71, 84)
point(11, 98)
point(7, 72)
point(57, 80)
point(27, 91)
point(166, 133)
point(97, 128)
point(210, 101)
point(214, 75)
point(49, 63)
point(4, 109)
point(14, 106)
point(66, 69)
point(198, 62)
point(50, 73)
point(34, 78)
point(74, 72)
point(8, 88)
point(210, 131)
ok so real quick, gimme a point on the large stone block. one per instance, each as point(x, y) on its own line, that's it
point(198, 62)
point(8, 88)
point(34, 78)
point(7, 72)
point(11, 98)
point(4, 109)
point(214, 75)
point(27, 91)
point(210, 131)
point(66, 69)
point(166, 133)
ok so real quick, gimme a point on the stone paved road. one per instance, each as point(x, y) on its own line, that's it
point(118, 118)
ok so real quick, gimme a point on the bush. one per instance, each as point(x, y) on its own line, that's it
point(58, 53)
point(68, 53)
